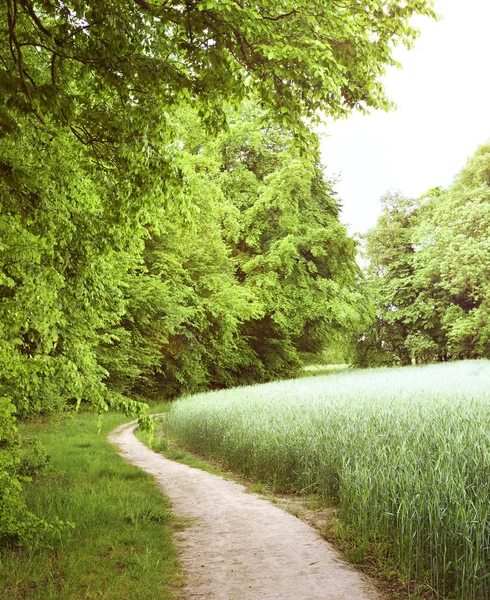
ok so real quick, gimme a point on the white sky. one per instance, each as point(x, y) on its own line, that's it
point(443, 98)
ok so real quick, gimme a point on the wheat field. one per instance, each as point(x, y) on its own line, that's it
point(404, 454)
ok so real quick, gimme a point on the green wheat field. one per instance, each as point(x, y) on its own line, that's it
point(403, 453)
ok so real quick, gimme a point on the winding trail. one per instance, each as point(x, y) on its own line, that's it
point(239, 546)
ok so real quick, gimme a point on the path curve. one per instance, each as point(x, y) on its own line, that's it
point(239, 546)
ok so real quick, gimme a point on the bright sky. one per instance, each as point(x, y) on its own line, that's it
point(443, 98)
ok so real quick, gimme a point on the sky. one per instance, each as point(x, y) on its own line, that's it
point(443, 98)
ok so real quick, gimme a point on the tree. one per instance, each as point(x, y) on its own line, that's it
point(291, 250)
point(429, 273)
point(407, 327)
point(454, 243)
point(264, 276)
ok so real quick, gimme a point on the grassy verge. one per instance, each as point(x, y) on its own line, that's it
point(121, 546)
point(314, 370)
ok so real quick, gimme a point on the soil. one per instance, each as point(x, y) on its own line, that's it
point(239, 546)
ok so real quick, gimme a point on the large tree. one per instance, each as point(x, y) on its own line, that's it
point(291, 251)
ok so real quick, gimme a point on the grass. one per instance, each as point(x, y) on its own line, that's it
point(404, 454)
point(161, 443)
point(121, 546)
point(314, 370)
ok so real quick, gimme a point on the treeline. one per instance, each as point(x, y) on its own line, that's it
point(230, 282)
point(429, 273)
point(257, 275)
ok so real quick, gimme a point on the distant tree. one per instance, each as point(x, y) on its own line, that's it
point(390, 249)
point(454, 242)
point(429, 273)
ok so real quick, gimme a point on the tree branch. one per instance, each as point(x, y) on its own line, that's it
point(279, 17)
point(143, 3)
point(35, 18)
point(11, 9)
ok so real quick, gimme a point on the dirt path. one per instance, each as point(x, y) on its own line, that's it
point(240, 547)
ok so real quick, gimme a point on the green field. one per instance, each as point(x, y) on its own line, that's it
point(403, 453)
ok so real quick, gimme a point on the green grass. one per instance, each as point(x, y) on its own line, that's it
point(403, 453)
point(121, 546)
point(314, 370)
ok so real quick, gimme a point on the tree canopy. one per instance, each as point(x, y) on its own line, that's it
point(89, 64)
point(430, 272)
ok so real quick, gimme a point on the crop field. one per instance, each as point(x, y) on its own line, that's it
point(403, 453)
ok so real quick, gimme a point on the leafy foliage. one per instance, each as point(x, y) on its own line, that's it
point(264, 275)
point(290, 249)
point(107, 69)
point(430, 270)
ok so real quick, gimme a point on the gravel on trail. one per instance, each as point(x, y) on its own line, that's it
point(238, 546)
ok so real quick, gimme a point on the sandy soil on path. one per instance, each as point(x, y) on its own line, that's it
point(239, 546)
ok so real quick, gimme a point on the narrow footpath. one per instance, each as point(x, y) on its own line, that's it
point(239, 546)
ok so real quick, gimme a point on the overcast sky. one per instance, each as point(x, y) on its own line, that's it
point(443, 98)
